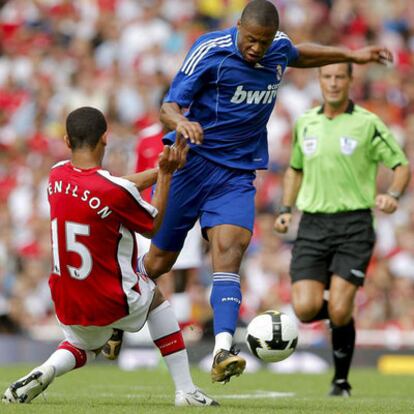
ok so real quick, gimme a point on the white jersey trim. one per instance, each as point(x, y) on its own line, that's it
point(60, 163)
point(281, 35)
point(130, 187)
point(129, 277)
point(198, 54)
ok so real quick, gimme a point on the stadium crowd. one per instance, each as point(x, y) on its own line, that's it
point(119, 56)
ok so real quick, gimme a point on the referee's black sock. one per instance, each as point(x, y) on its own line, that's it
point(322, 314)
point(343, 344)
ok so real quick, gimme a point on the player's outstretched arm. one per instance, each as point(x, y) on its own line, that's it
point(143, 179)
point(148, 178)
point(169, 161)
point(173, 120)
point(313, 55)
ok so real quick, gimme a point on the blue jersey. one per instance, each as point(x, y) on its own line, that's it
point(231, 98)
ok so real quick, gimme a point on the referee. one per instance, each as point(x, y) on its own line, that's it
point(336, 151)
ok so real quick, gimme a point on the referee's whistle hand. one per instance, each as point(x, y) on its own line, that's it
point(282, 222)
point(386, 203)
point(191, 131)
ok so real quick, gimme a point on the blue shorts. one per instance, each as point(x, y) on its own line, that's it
point(204, 190)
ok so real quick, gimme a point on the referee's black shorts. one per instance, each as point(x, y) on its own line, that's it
point(338, 243)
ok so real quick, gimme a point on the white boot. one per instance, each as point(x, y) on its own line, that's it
point(197, 398)
point(25, 389)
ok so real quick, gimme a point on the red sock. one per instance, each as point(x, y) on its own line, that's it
point(79, 354)
point(166, 335)
point(170, 344)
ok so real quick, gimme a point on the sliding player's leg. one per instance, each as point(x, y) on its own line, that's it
point(153, 264)
point(71, 354)
point(166, 334)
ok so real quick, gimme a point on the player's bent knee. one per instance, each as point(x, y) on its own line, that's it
point(158, 269)
point(339, 315)
point(156, 266)
point(228, 257)
point(232, 253)
point(306, 311)
point(157, 261)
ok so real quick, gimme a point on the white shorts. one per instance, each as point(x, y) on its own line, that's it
point(90, 338)
point(190, 256)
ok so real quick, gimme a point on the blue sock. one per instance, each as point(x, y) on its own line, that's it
point(225, 300)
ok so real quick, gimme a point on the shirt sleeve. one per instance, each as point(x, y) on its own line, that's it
point(291, 50)
point(169, 138)
point(193, 74)
point(384, 148)
point(133, 212)
point(296, 158)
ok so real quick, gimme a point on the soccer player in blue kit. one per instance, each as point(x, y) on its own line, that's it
point(228, 85)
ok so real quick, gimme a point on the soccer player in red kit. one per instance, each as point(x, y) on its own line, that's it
point(94, 282)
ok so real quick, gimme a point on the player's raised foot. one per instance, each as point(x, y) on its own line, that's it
point(196, 399)
point(112, 348)
point(227, 364)
point(25, 389)
point(340, 388)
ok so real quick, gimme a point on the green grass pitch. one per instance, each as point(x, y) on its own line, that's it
point(105, 389)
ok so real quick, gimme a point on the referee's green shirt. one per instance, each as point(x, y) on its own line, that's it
point(339, 158)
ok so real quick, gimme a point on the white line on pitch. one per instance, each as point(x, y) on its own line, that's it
point(257, 394)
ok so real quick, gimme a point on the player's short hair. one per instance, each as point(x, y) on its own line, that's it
point(350, 68)
point(262, 12)
point(85, 126)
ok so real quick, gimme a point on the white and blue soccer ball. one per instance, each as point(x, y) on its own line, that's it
point(272, 336)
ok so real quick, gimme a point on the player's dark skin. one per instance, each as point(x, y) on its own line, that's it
point(229, 242)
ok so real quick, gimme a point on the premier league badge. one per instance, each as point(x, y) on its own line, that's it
point(348, 145)
point(309, 145)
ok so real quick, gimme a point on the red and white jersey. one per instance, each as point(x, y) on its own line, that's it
point(93, 219)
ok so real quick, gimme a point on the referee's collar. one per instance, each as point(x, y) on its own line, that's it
point(349, 109)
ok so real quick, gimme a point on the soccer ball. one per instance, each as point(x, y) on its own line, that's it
point(272, 336)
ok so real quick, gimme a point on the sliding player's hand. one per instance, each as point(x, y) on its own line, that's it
point(191, 131)
point(182, 148)
point(169, 160)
